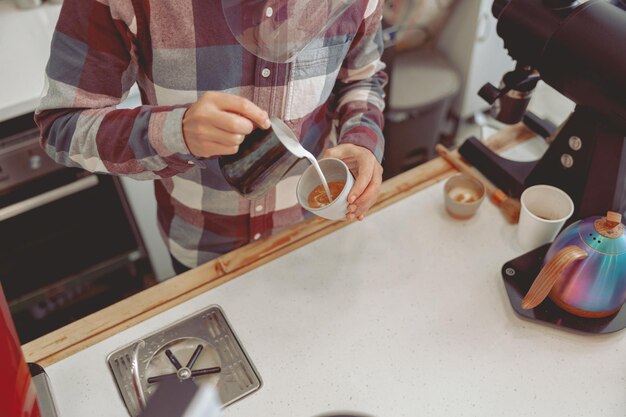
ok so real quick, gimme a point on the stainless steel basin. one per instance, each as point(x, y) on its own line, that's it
point(202, 347)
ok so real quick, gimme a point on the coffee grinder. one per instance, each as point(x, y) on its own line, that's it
point(578, 48)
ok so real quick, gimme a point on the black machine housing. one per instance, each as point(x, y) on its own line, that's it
point(580, 50)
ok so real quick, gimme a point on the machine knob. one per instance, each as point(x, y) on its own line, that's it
point(35, 162)
point(567, 160)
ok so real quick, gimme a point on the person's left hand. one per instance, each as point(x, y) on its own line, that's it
point(368, 173)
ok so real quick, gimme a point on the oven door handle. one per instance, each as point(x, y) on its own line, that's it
point(48, 197)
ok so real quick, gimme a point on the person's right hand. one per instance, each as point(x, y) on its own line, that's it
point(217, 123)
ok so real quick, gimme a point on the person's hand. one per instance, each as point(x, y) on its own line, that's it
point(368, 173)
point(217, 123)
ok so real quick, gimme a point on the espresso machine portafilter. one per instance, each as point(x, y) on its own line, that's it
point(578, 48)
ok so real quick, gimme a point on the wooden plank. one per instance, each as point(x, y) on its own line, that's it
point(111, 320)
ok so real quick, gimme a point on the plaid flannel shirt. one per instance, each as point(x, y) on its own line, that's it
point(175, 50)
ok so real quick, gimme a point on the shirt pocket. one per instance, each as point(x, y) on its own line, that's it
point(312, 77)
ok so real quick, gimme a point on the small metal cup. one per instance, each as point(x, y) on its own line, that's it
point(463, 195)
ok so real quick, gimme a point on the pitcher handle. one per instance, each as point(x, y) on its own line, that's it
point(550, 274)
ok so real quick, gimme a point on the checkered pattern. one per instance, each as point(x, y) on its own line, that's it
point(175, 50)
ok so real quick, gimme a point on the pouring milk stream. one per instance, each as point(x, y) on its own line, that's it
point(289, 140)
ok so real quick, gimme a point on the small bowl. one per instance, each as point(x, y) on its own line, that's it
point(463, 195)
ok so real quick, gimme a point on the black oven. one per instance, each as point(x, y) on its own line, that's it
point(68, 242)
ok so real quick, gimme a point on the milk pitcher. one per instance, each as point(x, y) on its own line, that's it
point(261, 162)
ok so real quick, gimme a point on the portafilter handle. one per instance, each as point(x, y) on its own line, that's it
point(510, 101)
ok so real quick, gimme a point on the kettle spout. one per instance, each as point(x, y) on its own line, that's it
point(550, 273)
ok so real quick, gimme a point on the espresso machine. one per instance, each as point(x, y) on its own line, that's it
point(578, 48)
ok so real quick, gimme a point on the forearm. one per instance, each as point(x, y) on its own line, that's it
point(144, 143)
point(360, 87)
point(360, 113)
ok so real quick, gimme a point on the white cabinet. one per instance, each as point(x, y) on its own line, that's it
point(471, 43)
point(25, 37)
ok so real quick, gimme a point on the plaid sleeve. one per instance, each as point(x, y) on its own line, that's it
point(360, 86)
point(90, 70)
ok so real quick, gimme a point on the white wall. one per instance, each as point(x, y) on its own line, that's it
point(470, 42)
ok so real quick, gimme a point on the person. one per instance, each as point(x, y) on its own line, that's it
point(203, 88)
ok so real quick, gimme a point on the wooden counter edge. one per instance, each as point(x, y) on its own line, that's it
point(111, 320)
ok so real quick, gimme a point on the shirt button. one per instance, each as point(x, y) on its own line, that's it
point(266, 72)
point(269, 12)
point(257, 236)
point(258, 208)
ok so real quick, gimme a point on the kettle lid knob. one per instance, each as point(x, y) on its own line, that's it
point(613, 219)
point(610, 226)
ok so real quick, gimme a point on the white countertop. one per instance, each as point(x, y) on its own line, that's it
point(25, 37)
point(404, 314)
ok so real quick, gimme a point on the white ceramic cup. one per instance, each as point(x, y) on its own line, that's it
point(334, 170)
point(544, 210)
point(462, 210)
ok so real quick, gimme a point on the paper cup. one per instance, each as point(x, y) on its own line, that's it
point(334, 170)
point(544, 210)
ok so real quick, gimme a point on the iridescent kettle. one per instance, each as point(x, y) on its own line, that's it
point(584, 271)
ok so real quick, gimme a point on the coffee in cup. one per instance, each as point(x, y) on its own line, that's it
point(318, 197)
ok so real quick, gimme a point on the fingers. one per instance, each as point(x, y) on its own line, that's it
point(363, 179)
point(219, 149)
point(239, 105)
point(368, 173)
point(217, 123)
point(369, 197)
point(204, 140)
point(231, 122)
point(210, 133)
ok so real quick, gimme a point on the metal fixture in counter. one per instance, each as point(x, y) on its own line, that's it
point(211, 350)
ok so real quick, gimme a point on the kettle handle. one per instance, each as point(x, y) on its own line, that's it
point(550, 274)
